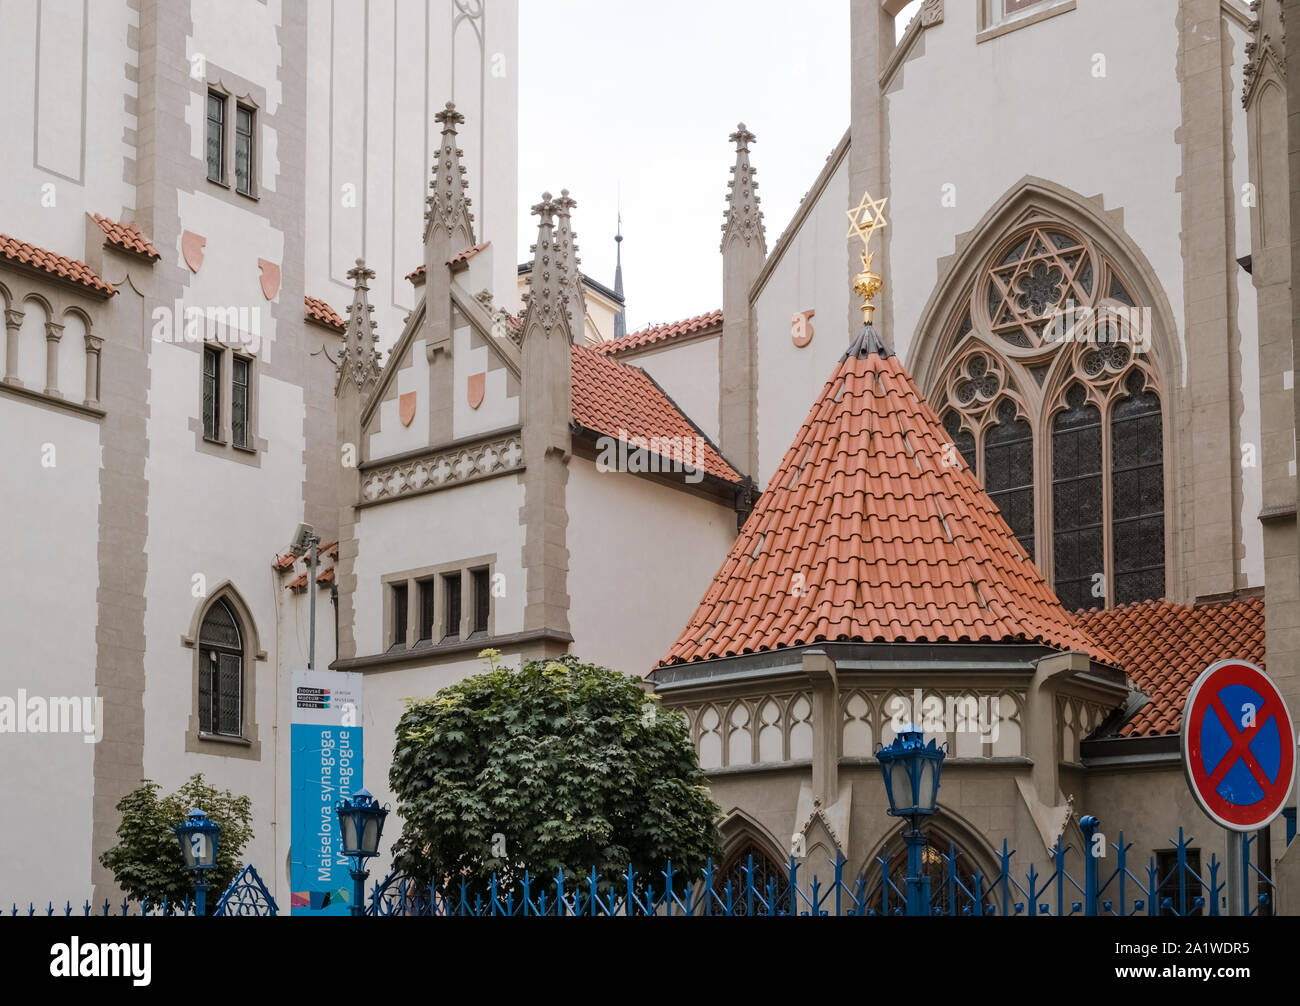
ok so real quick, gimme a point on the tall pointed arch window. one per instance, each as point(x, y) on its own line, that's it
point(1050, 395)
point(221, 672)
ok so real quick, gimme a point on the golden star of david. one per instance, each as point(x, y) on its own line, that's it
point(867, 217)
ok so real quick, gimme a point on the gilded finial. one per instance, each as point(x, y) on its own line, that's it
point(864, 220)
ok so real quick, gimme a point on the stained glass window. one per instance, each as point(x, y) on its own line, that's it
point(1009, 472)
point(216, 137)
point(1138, 496)
point(961, 439)
point(768, 877)
point(239, 401)
point(211, 393)
point(244, 149)
point(221, 672)
point(1077, 514)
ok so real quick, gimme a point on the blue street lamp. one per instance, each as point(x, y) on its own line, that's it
point(911, 769)
point(198, 836)
point(361, 822)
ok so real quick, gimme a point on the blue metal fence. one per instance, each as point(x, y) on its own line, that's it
point(245, 895)
point(1115, 883)
point(1126, 888)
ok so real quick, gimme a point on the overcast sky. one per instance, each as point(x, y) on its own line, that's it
point(632, 100)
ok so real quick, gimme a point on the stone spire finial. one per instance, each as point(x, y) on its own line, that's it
point(360, 359)
point(1266, 50)
point(566, 244)
point(620, 319)
point(744, 218)
point(449, 202)
point(547, 302)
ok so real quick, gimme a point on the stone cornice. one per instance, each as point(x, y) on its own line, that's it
point(456, 464)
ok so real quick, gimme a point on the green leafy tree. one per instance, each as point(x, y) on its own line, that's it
point(561, 764)
point(147, 861)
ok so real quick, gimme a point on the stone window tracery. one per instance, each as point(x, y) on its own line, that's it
point(1050, 396)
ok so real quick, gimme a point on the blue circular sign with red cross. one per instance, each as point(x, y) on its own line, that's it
point(1238, 745)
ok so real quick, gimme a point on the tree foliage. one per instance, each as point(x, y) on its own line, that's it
point(559, 765)
point(147, 861)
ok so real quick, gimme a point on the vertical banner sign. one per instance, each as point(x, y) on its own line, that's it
point(324, 767)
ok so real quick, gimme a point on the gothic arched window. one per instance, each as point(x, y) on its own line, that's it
point(1050, 395)
point(1078, 548)
point(1009, 471)
point(221, 672)
point(769, 878)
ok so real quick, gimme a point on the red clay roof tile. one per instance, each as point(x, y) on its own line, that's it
point(619, 401)
point(661, 333)
point(128, 237)
point(320, 312)
point(50, 262)
point(883, 542)
point(1164, 647)
point(416, 275)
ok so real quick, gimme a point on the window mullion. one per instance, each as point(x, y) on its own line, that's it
point(1107, 512)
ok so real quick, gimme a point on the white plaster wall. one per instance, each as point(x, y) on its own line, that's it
point(641, 555)
point(498, 409)
point(445, 526)
point(241, 36)
point(229, 276)
point(981, 117)
point(1247, 320)
point(392, 437)
point(688, 372)
point(377, 73)
point(59, 164)
point(48, 619)
point(810, 275)
point(198, 506)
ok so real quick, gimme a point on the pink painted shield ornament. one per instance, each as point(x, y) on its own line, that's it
point(406, 407)
point(477, 386)
point(192, 249)
point(801, 328)
point(270, 278)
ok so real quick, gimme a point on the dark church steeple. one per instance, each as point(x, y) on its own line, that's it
point(620, 319)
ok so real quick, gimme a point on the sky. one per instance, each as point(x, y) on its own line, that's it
point(629, 103)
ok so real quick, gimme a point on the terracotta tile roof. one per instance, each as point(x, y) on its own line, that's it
point(56, 265)
point(612, 398)
point(865, 535)
point(319, 311)
point(416, 275)
point(661, 333)
point(1164, 647)
point(128, 237)
point(284, 562)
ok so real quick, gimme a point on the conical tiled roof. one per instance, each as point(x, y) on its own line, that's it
point(865, 534)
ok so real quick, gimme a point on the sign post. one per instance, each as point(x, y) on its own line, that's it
point(324, 767)
point(1239, 754)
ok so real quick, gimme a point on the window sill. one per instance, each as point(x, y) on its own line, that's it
point(218, 181)
point(245, 448)
point(254, 196)
point(213, 440)
point(224, 739)
point(1015, 21)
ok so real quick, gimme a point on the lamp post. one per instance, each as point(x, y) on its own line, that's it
point(198, 836)
point(911, 769)
point(361, 822)
point(306, 540)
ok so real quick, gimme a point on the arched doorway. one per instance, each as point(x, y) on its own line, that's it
point(961, 871)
